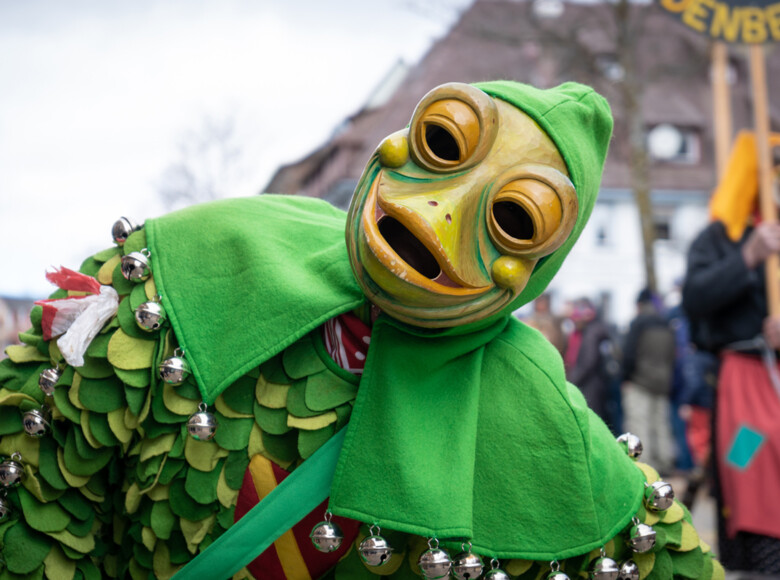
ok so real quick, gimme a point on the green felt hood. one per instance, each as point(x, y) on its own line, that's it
point(579, 122)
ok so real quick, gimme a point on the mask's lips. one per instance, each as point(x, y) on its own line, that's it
point(410, 249)
point(400, 251)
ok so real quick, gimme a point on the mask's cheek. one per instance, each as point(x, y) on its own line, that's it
point(512, 273)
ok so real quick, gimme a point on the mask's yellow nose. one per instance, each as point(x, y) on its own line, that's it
point(394, 150)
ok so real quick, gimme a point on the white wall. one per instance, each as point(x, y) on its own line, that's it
point(614, 265)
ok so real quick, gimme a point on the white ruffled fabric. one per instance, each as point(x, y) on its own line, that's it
point(79, 320)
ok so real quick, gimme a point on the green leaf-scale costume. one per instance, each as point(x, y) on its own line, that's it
point(468, 432)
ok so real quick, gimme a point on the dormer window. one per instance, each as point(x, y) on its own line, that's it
point(610, 67)
point(669, 143)
point(548, 8)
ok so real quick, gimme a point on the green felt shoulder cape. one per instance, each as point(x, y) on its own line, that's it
point(278, 266)
point(471, 435)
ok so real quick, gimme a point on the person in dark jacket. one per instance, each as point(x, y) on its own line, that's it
point(724, 295)
point(648, 366)
point(584, 356)
point(725, 298)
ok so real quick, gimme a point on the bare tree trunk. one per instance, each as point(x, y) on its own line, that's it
point(640, 180)
point(631, 91)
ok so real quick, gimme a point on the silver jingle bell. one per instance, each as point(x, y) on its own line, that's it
point(629, 571)
point(11, 472)
point(604, 568)
point(631, 444)
point(659, 496)
point(435, 563)
point(5, 508)
point(642, 538)
point(467, 566)
point(496, 574)
point(150, 316)
point(36, 422)
point(202, 426)
point(121, 230)
point(47, 380)
point(374, 550)
point(174, 370)
point(556, 573)
point(135, 266)
point(326, 536)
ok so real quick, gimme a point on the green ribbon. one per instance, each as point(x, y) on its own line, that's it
point(289, 502)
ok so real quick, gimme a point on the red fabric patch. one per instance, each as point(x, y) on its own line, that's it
point(347, 339)
point(698, 434)
point(49, 314)
point(746, 398)
point(47, 318)
point(68, 279)
point(267, 565)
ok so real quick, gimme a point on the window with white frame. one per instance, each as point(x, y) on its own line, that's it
point(669, 143)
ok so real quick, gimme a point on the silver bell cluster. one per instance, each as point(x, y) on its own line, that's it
point(36, 422)
point(641, 537)
point(11, 471)
point(174, 370)
point(556, 573)
point(5, 507)
point(327, 535)
point(434, 562)
point(604, 568)
point(150, 316)
point(122, 229)
point(631, 444)
point(496, 573)
point(202, 426)
point(629, 571)
point(47, 380)
point(374, 550)
point(659, 496)
point(467, 565)
point(135, 266)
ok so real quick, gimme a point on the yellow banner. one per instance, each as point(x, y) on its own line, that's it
point(732, 22)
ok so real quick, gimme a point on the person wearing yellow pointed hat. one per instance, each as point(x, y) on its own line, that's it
point(724, 296)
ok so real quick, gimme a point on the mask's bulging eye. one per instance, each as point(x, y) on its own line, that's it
point(453, 128)
point(447, 133)
point(514, 220)
point(527, 217)
point(441, 143)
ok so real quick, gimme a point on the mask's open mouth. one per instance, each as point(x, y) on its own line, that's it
point(409, 248)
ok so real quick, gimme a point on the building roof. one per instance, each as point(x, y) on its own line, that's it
point(497, 39)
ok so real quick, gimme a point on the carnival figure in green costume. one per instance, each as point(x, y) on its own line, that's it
point(231, 390)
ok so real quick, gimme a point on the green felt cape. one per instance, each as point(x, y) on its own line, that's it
point(470, 432)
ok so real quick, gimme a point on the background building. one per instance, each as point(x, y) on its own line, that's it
point(656, 75)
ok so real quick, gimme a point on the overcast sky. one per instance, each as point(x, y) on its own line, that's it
point(96, 99)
